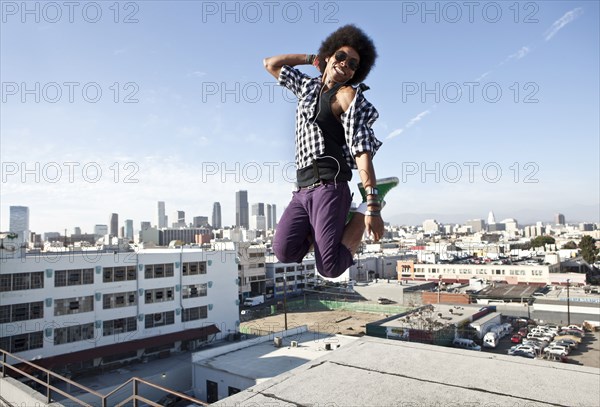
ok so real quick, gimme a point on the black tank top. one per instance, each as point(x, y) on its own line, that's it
point(333, 134)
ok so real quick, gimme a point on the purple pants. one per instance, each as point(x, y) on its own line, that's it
point(321, 214)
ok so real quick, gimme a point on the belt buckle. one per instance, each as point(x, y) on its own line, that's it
point(316, 184)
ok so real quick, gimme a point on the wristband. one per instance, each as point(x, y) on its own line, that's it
point(371, 191)
point(373, 213)
point(310, 58)
point(373, 202)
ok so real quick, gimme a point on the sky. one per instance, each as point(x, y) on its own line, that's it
point(109, 107)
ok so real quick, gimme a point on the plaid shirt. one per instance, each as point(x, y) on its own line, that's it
point(357, 120)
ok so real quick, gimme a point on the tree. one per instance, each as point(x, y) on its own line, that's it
point(588, 249)
point(570, 245)
point(541, 241)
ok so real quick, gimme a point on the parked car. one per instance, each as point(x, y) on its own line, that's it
point(516, 338)
point(523, 353)
point(572, 332)
point(522, 348)
point(557, 350)
point(568, 337)
point(567, 343)
point(542, 336)
point(523, 332)
point(573, 327)
point(465, 344)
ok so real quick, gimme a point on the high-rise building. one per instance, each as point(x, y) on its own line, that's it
point(19, 222)
point(178, 219)
point(216, 216)
point(431, 226)
point(128, 234)
point(241, 209)
point(559, 219)
point(100, 230)
point(200, 221)
point(477, 225)
point(76, 230)
point(162, 218)
point(491, 218)
point(114, 224)
point(145, 225)
point(271, 216)
point(258, 209)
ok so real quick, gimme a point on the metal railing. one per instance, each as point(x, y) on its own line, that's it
point(49, 377)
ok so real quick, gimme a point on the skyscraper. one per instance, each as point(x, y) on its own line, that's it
point(216, 216)
point(128, 233)
point(113, 222)
point(241, 209)
point(271, 216)
point(162, 219)
point(258, 209)
point(559, 219)
point(178, 219)
point(19, 222)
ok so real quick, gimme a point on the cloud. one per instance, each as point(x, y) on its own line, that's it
point(408, 125)
point(417, 119)
point(569, 17)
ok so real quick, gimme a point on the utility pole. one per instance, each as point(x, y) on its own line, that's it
point(568, 303)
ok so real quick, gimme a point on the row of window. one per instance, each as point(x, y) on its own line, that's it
point(21, 281)
point(114, 274)
point(75, 305)
point(65, 278)
point(158, 270)
point(21, 312)
point(477, 271)
point(23, 342)
point(76, 333)
point(159, 295)
point(119, 300)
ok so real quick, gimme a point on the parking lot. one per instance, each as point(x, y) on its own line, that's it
point(586, 354)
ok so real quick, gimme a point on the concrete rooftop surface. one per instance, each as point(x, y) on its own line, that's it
point(378, 372)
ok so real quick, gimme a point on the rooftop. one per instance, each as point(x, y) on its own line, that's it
point(379, 372)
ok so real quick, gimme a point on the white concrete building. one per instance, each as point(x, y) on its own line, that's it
point(290, 277)
point(93, 308)
point(223, 371)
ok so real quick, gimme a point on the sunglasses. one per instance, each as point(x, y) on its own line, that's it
point(352, 63)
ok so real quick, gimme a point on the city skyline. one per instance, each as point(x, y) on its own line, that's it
point(483, 106)
point(469, 220)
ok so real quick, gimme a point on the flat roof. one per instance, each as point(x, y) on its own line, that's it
point(451, 314)
point(263, 361)
point(516, 291)
point(381, 372)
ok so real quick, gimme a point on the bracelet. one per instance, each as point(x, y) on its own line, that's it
point(373, 213)
point(373, 202)
point(310, 58)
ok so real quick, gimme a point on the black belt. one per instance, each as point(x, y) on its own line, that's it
point(320, 172)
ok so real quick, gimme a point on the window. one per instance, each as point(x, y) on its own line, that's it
point(193, 314)
point(74, 333)
point(119, 300)
point(193, 268)
point(21, 281)
point(159, 295)
point(159, 319)
point(159, 270)
point(117, 326)
point(76, 305)
point(196, 290)
point(5, 282)
point(64, 278)
point(23, 342)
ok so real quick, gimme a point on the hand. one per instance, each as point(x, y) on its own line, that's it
point(374, 226)
point(316, 63)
